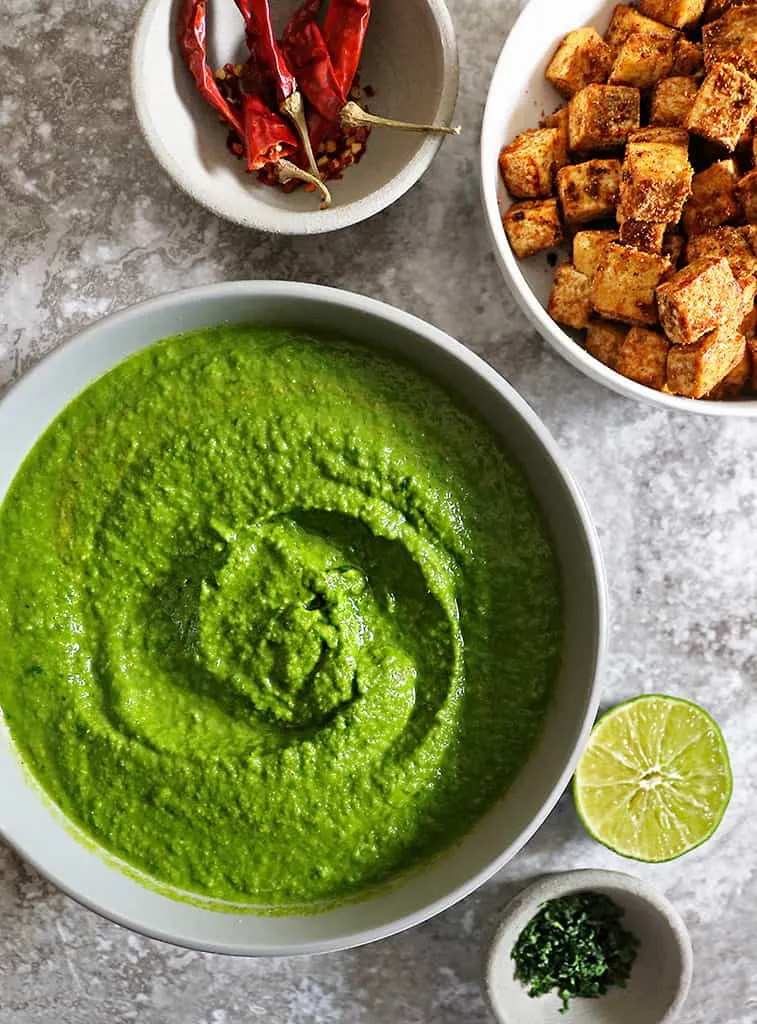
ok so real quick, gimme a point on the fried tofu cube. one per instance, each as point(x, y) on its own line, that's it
point(643, 357)
point(624, 285)
point(642, 234)
point(697, 299)
point(601, 116)
point(655, 182)
point(570, 301)
point(735, 243)
point(737, 378)
point(582, 58)
point(642, 60)
point(590, 248)
point(713, 198)
point(627, 20)
point(661, 133)
point(672, 100)
point(603, 340)
point(532, 226)
point(694, 370)
point(746, 194)
point(673, 245)
point(677, 13)
point(559, 120)
point(529, 165)
point(732, 39)
point(588, 191)
point(724, 106)
point(688, 57)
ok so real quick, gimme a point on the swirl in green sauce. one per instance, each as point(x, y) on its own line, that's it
point(280, 619)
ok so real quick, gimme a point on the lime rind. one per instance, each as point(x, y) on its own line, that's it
point(655, 779)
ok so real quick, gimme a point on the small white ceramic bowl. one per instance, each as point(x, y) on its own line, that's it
point(519, 96)
point(410, 59)
point(660, 976)
point(32, 825)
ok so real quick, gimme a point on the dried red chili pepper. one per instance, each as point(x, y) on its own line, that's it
point(298, 35)
point(266, 136)
point(344, 33)
point(306, 52)
point(191, 39)
point(308, 56)
point(261, 40)
point(268, 139)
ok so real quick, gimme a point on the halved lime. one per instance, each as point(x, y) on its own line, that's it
point(654, 780)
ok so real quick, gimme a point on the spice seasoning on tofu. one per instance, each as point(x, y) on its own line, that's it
point(590, 249)
point(697, 299)
point(676, 13)
point(655, 182)
point(583, 57)
point(570, 301)
point(672, 100)
point(529, 165)
point(643, 357)
point(624, 286)
point(533, 226)
point(627, 20)
point(576, 946)
point(651, 169)
point(588, 191)
point(696, 370)
point(642, 60)
point(663, 134)
point(724, 106)
point(644, 235)
point(602, 116)
point(604, 339)
point(732, 38)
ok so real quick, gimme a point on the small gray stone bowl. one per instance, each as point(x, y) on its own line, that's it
point(660, 977)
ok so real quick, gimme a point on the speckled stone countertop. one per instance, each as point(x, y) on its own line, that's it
point(89, 224)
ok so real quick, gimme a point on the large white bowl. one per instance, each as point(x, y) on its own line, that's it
point(38, 831)
point(519, 96)
point(410, 59)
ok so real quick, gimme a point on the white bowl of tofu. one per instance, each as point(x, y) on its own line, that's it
point(619, 183)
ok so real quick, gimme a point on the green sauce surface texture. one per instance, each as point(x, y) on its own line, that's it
point(279, 618)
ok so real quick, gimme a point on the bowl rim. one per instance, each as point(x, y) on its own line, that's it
point(284, 290)
point(551, 886)
point(300, 222)
point(536, 12)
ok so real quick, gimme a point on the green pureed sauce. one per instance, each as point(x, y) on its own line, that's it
point(279, 619)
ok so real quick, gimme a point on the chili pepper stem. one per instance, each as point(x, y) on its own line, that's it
point(294, 108)
point(353, 116)
point(287, 171)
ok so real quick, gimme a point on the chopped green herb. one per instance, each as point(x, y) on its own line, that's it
point(577, 945)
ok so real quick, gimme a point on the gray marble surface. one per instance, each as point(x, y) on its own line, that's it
point(89, 224)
